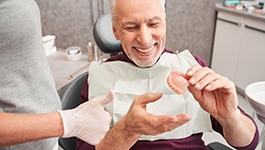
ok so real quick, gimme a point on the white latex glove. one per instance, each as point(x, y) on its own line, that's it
point(89, 121)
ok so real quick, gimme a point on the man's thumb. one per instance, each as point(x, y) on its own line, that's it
point(148, 98)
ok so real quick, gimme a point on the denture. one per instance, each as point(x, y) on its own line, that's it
point(178, 82)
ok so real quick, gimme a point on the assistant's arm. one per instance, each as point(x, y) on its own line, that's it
point(19, 128)
point(89, 122)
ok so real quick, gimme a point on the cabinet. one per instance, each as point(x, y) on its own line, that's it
point(239, 49)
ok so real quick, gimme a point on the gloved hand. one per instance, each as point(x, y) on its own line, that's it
point(89, 121)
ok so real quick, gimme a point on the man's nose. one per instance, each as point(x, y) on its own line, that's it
point(144, 35)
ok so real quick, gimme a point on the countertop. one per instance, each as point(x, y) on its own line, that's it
point(220, 7)
point(65, 71)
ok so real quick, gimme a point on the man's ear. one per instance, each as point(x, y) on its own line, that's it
point(115, 32)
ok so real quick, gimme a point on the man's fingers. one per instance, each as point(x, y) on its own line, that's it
point(183, 118)
point(165, 123)
point(147, 98)
point(166, 119)
point(192, 70)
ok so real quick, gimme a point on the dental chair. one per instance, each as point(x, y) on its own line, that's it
point(107, 43)
point(103, 35)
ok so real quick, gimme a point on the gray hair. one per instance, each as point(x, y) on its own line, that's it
point(113, 8)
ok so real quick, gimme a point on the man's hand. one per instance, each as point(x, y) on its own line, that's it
point(139, 121)
point(89, 121)
point(215, 93)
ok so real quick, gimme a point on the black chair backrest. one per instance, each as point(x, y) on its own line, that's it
point(103, 35)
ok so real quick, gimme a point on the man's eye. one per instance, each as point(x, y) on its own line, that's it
point(154, 24)
point(130, 28)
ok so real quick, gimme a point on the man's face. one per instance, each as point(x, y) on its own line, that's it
point(140, 26)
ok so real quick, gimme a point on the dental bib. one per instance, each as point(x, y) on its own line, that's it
point(128, 81)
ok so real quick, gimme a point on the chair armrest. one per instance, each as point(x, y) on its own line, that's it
point(217, 146)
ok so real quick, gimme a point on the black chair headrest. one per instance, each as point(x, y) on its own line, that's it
point(103, 35)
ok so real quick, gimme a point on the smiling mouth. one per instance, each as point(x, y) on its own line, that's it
point(145, 50)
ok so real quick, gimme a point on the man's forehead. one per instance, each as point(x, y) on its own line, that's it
point(138, 5)
point(128, 12)
point(131, 22)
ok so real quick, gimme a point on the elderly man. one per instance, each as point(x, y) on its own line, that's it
point(162, 119)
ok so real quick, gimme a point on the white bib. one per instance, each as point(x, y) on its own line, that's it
point(128, 81)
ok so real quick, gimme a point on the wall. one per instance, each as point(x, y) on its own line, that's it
point(71, 21)
point(190, 23)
